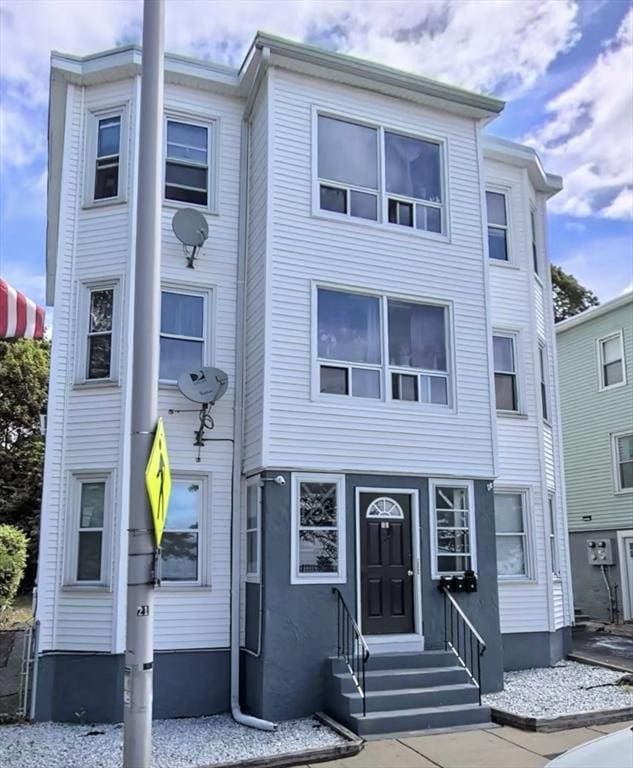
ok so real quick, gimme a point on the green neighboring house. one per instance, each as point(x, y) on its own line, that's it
point(595, 363)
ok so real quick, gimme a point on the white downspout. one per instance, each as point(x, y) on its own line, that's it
point(238, 422)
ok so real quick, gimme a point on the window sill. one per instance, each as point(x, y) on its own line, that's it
point(95, 589)
point(96, 384)
point(347, 401)
point(185, 586)
point(178, 204)
point(512, 415)
point(538, 279)
point(612, 386)
point(343, 218)
point(105, 203)
point(252, 579)
point(623, 492)
point(317, 581)
point(504, 264)
point(507, 581)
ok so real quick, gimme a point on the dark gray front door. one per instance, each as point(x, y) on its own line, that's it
point(386, 564)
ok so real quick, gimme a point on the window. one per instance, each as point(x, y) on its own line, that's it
point(611, 360)
point(351, 181)
point(180, 542)
point(497, 226)
point(452, 523)
point(534, 245)
point(108, 156)
point(88, 544)
point(506, 390)
point(318, 529)
point(99, 341)
point(623, 461)
point(253, 527)
point(182, 333)
point(510, 524)
point(553, 537)
point(350, 343)
point(187, 163)
point(542, 358)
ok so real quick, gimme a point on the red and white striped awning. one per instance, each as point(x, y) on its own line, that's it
point(20, 318)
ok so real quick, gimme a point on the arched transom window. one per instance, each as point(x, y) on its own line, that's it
point(385, 508)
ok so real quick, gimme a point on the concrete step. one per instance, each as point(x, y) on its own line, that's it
point(401, 679)
point(418, 719)
point(406, 660)
point(411, 698)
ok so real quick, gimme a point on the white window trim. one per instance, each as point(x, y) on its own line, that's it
point(536, 260)
point(212, 125)
point(75, 480)
point(544, 351)
point(472, 531)
point(528, 528)
point(515, 335)
point(204, 549)
point(385, 399)
point(208, 294)
point(84, 290)
point(506, 192)
point(615, 463)
point(382, 222)
point(602, 387)
point(340, 577)
point(92, 127)
point(552, 514)
point(253, 577)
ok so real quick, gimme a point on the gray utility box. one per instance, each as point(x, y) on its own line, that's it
point(600, 551)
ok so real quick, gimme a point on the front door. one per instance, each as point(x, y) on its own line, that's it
point(386, 564)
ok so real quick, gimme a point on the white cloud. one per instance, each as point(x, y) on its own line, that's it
point(628, 289)
point(588, 136)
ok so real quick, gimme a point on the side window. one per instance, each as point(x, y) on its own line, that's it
point(543, 371)
point(98, 332)
point(348, 168)
point(505, 369)
point(452, 524)
point(108, 156)
point(611, 360)
point(318, 529)
point(533, 232)
point(253, 531)
point(553, 534)
point(497, 226)
point(511, 533)
point(88, 549)
point(180, 550)
point(187, 163)
point(623, 459)
point(182, 333)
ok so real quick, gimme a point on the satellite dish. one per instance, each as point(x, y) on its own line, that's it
point(191, 228)
point(204, 385)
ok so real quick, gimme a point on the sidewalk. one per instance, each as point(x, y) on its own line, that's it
point(496, 747)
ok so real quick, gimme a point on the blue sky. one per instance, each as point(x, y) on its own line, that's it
point(565, 68)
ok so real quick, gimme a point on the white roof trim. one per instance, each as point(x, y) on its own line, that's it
point(593, 312)
point(524, 157)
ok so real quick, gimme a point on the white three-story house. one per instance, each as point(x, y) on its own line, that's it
point(376, 286)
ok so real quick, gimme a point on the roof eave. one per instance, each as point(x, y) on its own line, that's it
point(593, 312)
point(526, 157)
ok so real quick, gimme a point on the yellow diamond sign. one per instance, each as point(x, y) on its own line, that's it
point(158, 481)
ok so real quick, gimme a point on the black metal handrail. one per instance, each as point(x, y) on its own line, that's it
point(351, 645)
point(463, 639)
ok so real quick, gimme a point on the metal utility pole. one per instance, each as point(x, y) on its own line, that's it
point(139, 654)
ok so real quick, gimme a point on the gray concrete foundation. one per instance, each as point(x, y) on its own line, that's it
point(524, 650)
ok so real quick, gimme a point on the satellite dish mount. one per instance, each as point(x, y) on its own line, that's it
point(204, 386)
point(191, 228)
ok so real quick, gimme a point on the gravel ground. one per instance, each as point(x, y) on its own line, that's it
point(560, 690)
point(176, 743)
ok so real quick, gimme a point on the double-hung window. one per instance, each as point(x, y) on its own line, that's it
point(351, 180)
point(187, 163)
point(511, 533)
point(353, 329)
point(611, 360)
point(497, 226)
point(108, 158)
point(253, 530)
point(182, 333)
point(542, 359)
point(88, 543)
point(553, 534)
point(452, 524)
point(180, 545)
point(533, 233)
point(100, 322)
point(318, 529)
point(505, 369)
point(623, 461)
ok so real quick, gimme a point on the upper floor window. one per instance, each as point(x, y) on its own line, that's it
point(611, 360)
point(352, 182)
point(505, 369)
point(187, 163)
point(182, 333)
point(98, 339)
point(453, 527)
point(533, 233)
point(180, 545)
point(511, 534)
point(497, 226)
point(623, 461)
point(108, 153)
point(542, 358)
point(351, 331)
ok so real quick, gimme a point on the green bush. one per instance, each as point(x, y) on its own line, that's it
point(13, 545)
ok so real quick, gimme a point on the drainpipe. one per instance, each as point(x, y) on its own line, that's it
point(238, 421)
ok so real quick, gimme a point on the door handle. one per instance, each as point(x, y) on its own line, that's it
point(409, 573)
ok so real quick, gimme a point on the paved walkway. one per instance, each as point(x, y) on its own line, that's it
point(496, 747)
point(604, 647)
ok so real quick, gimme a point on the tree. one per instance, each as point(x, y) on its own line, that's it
point(23, 395)
point(570, 297)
